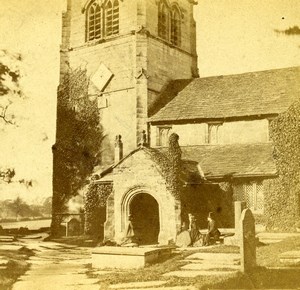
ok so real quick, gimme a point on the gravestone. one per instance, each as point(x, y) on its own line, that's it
point(247, 241)
point(239, 206)
point(73, 228)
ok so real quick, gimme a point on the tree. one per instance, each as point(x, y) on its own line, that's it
point(19, 207)
point(9, 84)
point(10, 91)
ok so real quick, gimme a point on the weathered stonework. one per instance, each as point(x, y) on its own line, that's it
point(140, 61)
point(140, 175)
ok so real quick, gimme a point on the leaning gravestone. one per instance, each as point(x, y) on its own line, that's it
point(247, 241)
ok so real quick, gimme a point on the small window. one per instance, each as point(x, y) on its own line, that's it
point(163, 21)
point(163, 134)
point(213, 134)
point(254, 196)
point(175, 27)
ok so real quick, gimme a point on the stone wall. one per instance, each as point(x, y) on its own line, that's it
point(141, 64)
point(138, 174)
point(235, 132)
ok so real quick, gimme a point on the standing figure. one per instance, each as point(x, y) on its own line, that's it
point(213, 233)
point(194, 231)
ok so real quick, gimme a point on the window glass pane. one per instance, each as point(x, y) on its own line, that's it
point(249, 194)
point(259, 196)
point(163, 21)
point(175, 27)
point(164, 136)
point(94, 28)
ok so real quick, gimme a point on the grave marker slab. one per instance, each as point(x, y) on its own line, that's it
point(247, 241)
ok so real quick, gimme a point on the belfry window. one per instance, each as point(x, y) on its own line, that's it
point(112, 18)
point(102, 20)
point(169, 22)
point(163, 21)
point(175, 26)
point(94, 22)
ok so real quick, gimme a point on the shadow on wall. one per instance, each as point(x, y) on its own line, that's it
point(202, 199)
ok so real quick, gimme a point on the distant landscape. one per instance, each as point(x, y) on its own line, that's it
point(16, 210)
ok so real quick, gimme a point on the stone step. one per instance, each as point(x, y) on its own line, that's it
point(3, 262)
point(290, 258)
point(194, 273)
point(219, 262)
point(137, 285)
point(215, 256)
point(166, 288)
point(10, 247)
point(6, 240)
point(212, 266)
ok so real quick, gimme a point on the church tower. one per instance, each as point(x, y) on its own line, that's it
point(131, 49)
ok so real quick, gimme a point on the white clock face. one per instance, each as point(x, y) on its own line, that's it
point(101, 77)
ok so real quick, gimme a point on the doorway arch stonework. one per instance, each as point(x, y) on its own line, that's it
point(166, 211)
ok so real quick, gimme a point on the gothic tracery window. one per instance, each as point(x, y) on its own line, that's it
point(102, 20)
point(163, 21)
point(112, 17)
point(175, 26)
point(169, 22)
point(94, 22)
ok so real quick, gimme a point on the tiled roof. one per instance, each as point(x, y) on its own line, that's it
point(236, 160)
point(249, 94)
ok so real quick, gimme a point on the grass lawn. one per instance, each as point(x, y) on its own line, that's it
point(154, 272)
point(269, 255)
point(261, 277)
point(17, 266)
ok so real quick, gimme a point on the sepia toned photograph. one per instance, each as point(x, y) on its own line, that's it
point(149, 144)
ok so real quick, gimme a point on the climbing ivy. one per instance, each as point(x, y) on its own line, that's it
point(78, 139)
point(283, 197)
point(170, 165)
point(95, 204)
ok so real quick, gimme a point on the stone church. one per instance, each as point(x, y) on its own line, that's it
point(142, 62)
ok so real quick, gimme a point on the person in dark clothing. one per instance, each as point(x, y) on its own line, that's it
point(194, 230)
point(213, 233)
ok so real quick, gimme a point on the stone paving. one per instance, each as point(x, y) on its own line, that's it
point(208, 264)
point(57, 266)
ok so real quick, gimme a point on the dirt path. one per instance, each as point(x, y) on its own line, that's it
point(56, 266)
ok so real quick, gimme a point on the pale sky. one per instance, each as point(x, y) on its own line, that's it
point(233, 36)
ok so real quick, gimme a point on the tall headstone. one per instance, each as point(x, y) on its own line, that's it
point(239, 206)
point(247, 241)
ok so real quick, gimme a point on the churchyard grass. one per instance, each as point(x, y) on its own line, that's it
point(270, 273)
point(17, 265)
point(268, 255)
point(261, 277)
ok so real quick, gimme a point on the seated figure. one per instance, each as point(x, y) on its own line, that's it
point(130, 238)
point(213, 233)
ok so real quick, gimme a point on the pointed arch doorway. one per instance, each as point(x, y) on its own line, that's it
point(145, 213)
